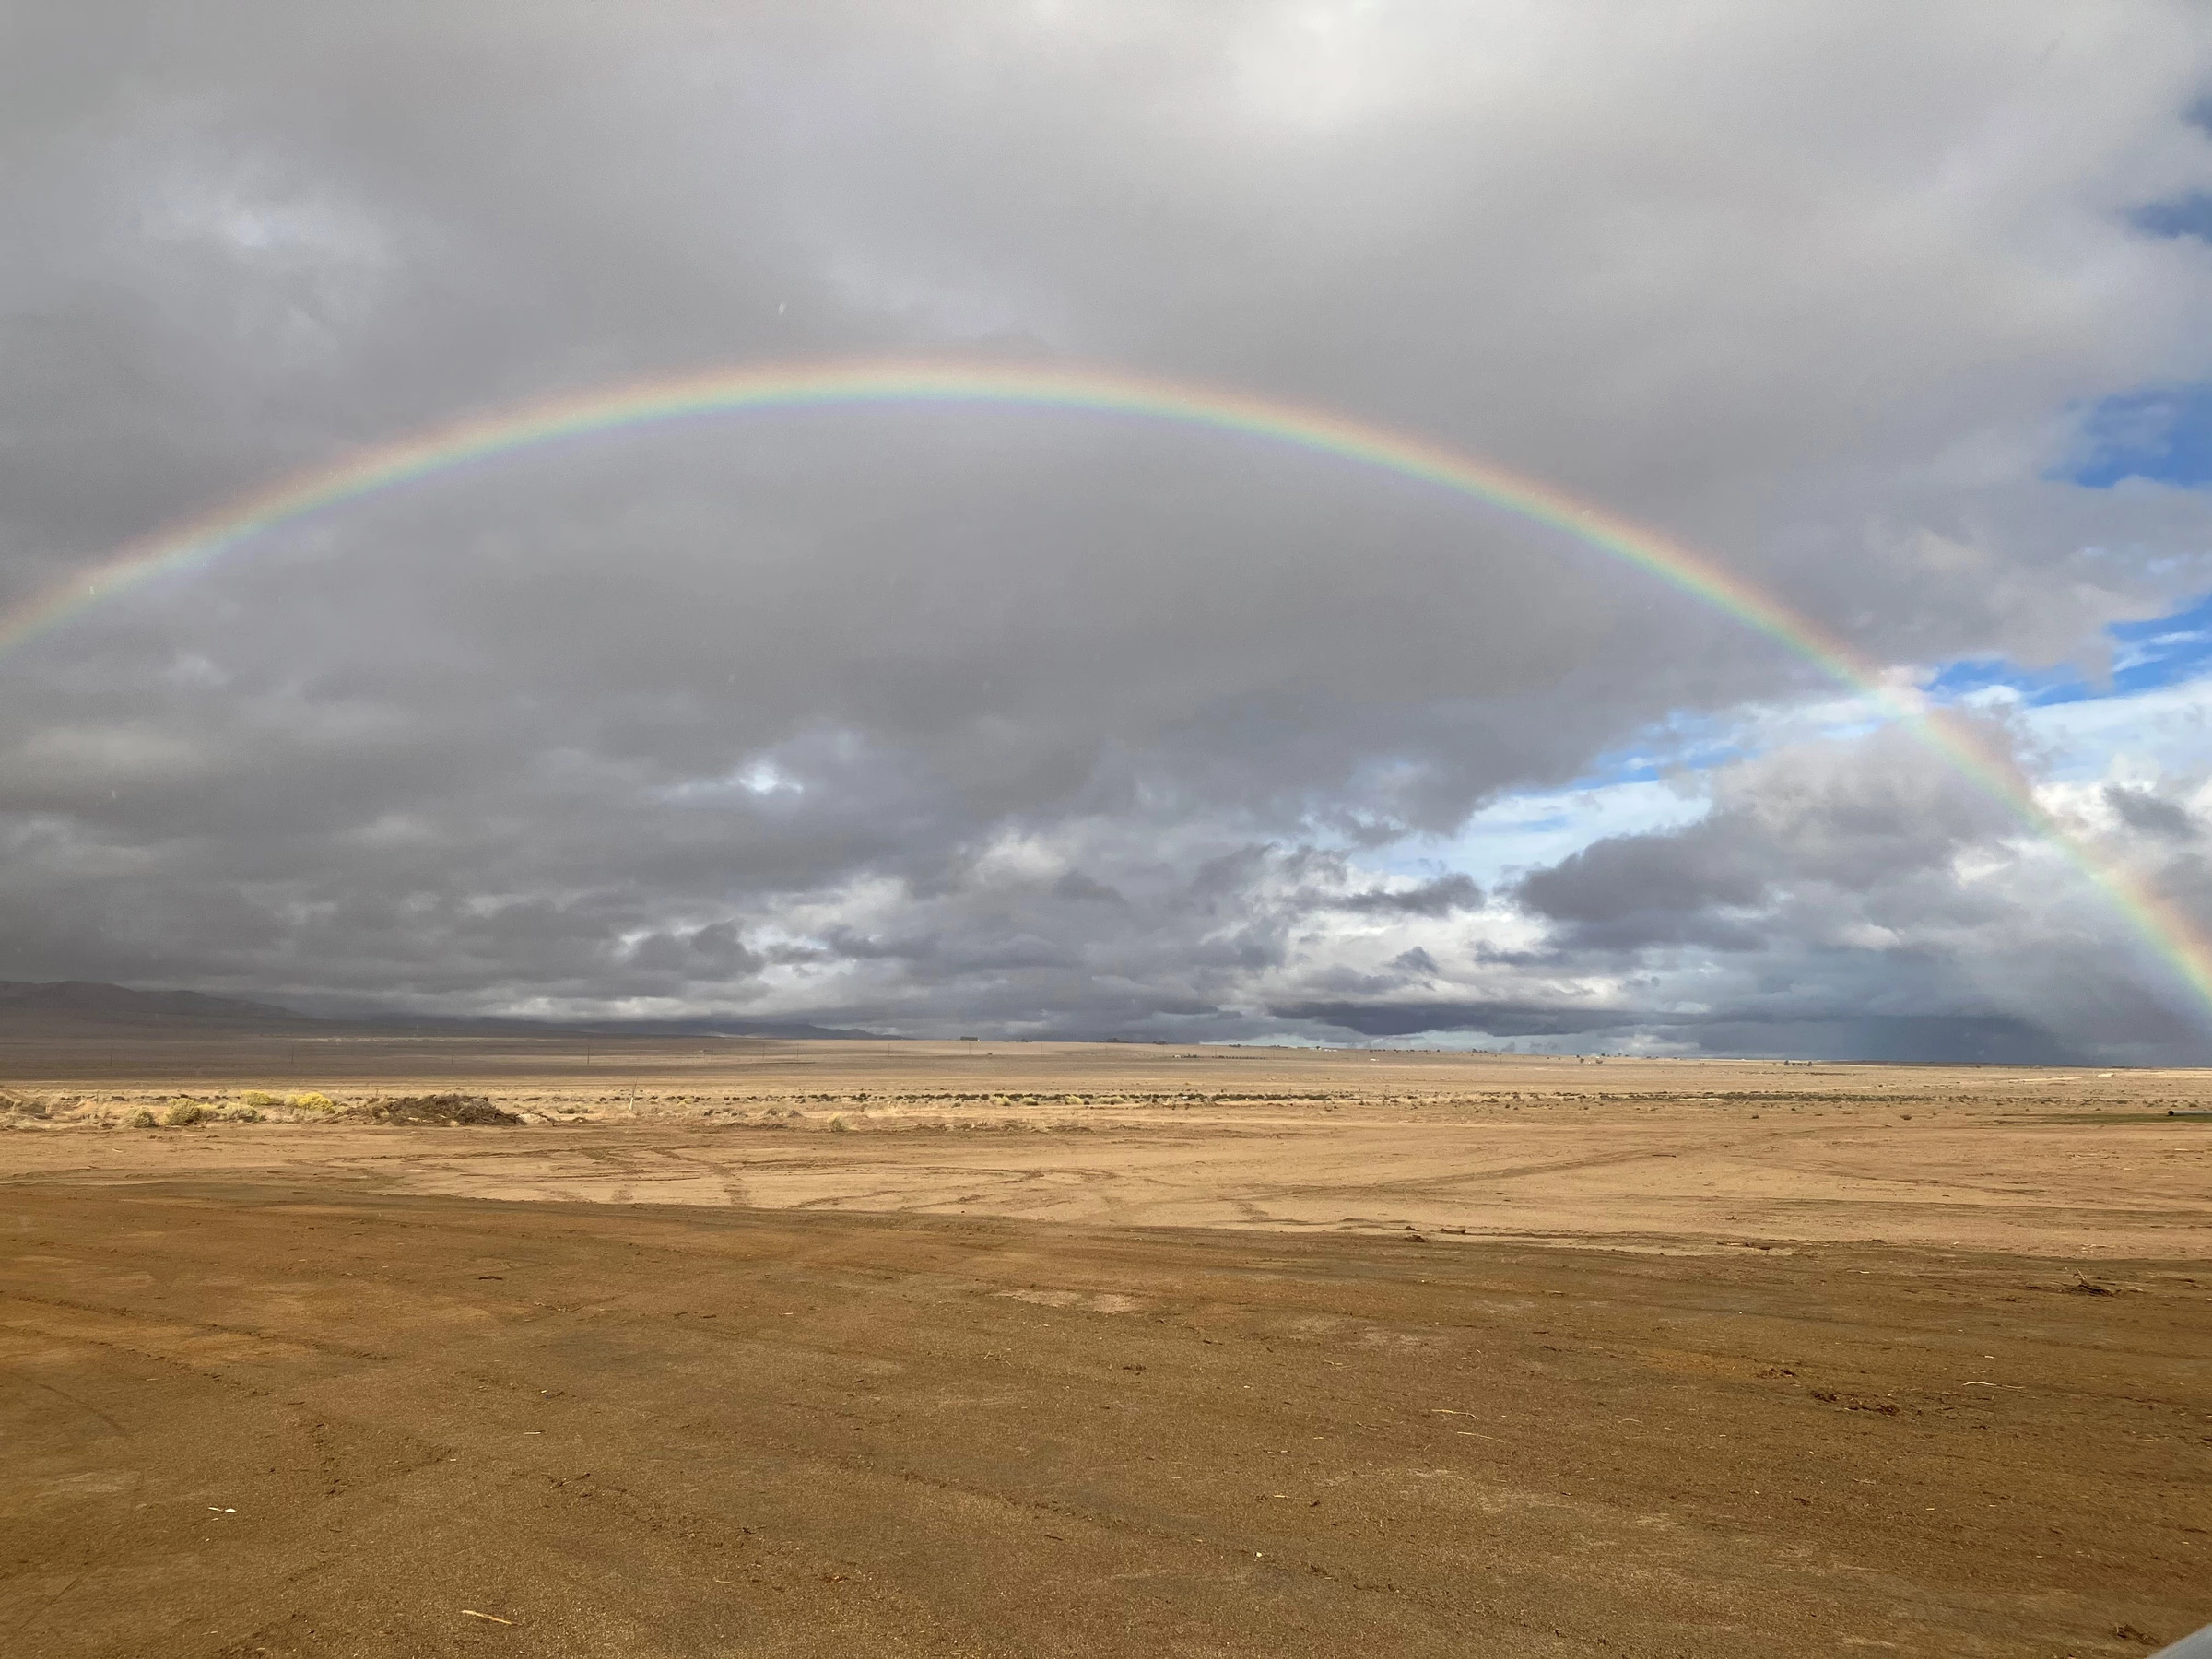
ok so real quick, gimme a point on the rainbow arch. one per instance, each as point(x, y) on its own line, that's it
point(906, 381)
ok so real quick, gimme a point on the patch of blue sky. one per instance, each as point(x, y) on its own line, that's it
point(1994, 679)
point(1524, 832)
point(1682, 743)
point(2165, 650)
point(1657, 784)
point(1688, 743)
point(2183, 216)
point(2162, 434)
point(2150, 716)
point(2139, 738)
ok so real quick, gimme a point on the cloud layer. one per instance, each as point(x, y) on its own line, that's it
point(1054, 722)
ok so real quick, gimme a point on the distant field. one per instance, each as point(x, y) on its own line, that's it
point(779, 1348)
point(1654, 1154)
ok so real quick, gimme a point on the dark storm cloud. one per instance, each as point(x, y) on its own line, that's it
point(1492, 1019)
point(1900, 1040)
point(1895, 1039)
point(949, 719)
point(1437, 898)
point(2152, 814)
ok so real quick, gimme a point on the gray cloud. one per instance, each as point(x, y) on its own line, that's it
point(1907, 1038)
point(1884, 816)
point(945, 718)
point(1860, 899)
point(2152, 814)
point(1441, 897)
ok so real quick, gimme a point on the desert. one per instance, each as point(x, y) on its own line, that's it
point(765, 1347)
point(1026, 828)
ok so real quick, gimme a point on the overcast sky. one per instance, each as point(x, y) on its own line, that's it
point(1041, 722)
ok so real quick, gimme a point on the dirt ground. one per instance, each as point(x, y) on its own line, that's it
point(859, 1349)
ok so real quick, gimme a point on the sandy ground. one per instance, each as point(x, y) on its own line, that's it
point(901, 1348)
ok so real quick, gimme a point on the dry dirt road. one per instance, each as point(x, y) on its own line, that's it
point(692, 1386)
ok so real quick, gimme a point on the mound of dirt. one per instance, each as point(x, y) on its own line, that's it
point(434, 1108)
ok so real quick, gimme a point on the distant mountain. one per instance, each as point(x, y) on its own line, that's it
point(29, 1008)
point(787, 1030)
point(73, 1008)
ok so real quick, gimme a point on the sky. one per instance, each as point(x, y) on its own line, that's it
point(1041, 722)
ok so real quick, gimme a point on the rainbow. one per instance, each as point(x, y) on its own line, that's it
point(804, 386)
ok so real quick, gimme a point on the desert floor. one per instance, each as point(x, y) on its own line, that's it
point(962, 1348)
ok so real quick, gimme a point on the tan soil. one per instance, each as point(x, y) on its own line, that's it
point(1161, 1370)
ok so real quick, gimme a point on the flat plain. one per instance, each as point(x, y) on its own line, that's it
point(752, 1347)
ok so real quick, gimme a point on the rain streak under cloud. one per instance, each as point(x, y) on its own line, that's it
point(1052, 723)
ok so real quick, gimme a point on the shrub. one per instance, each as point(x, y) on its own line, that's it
point(257, 1099)
point(140, 1118)
point(243, 1114)
point(311, 1101)
point(182, 1114)
point(435, 1108)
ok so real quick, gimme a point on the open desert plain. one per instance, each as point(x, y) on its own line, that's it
point(619, 622)
point(726, 1347)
